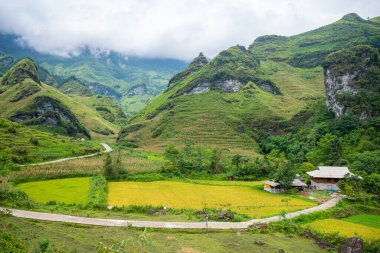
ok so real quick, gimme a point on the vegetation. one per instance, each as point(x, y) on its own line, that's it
point(66, 237)
point(310, 49)
point(369, 220)
point(73, 190)
point(21, 144)
point(97, 197)
point(56, 111)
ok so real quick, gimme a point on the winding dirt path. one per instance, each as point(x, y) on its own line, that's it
point(161, 224)
point(106, 146)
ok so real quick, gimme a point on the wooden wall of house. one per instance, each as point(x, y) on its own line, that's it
point(326, 180)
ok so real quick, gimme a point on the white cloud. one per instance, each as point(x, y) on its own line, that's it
point(165, 28)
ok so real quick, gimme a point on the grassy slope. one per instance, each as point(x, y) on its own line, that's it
point(105, 106)
point(82, 238)
point(88, 117)
point(223, 119)
point(50, 146)
point(235, 120)
point(312, 47)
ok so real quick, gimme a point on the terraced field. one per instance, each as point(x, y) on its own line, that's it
point(345, 228)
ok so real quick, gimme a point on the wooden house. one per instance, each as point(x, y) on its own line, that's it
point(327, 177)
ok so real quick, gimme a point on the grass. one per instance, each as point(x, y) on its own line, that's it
point(89, 118)
point(345, 228)
point(132, 161)
point(69, 191)
point(369, 220)
point(15, 140)
point(238, 198)
point(65, 237)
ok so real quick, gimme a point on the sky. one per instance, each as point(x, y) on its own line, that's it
point(178, 29)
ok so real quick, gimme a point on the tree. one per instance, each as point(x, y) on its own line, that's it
point(216, 158)
point(236, 160)
point(107, 167)
point(328, 151)
point(285, 176)
point(118, 168)
point(351, 185)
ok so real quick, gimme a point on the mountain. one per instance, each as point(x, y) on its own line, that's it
point(310, 49)
point(243, 95)
point(111, 70)
point(25, 99)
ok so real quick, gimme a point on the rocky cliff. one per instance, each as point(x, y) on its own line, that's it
point(352, 82)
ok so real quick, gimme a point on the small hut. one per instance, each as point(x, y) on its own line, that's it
point(272, 187)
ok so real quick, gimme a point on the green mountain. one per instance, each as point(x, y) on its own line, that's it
point(310, 49)
point(241, 96)
point(25, 99)
point(113, 71)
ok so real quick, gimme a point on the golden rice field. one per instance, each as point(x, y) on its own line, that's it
point(242, 198)
point(345, 228)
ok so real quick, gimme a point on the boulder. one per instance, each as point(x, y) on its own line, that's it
point(225, 215)
point(259, 242)
point(352, 245)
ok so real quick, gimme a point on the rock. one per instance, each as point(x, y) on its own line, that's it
point(343, 71)
point(352, 245)
point(167, 208)
point(200, 212)
point(259, 226)
point(227, 86)
point(151, 211)
point(137, 90)
point(259, 242)
point(225, 215)
point(281, 251)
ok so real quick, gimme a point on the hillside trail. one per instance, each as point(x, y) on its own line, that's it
point(162, 224)
point(106, 147)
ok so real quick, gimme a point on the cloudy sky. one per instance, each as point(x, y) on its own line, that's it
point(165, 28)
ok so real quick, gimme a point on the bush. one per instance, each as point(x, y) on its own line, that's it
point(97, 198)
point(34, 141)
point(10, 243)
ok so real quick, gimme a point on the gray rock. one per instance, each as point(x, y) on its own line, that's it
point(281, 251)
point(352, 245)
point(225, 215)
point(259, 242)
point(227, 86)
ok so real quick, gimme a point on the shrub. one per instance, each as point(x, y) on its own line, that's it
point(98, 192)
point(10, 243)
point(34, 141)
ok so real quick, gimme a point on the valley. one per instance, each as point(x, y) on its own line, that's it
point(241, 152)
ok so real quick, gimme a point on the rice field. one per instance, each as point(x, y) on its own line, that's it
point(243, 198)
point(370, 220)
point(345, 228)
point(70, 190)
